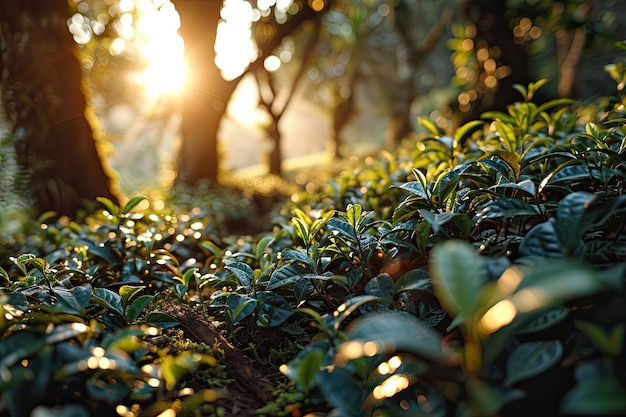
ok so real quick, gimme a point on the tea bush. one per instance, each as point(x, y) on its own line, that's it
point(478, 274)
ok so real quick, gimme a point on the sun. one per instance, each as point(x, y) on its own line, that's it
point(163, 50)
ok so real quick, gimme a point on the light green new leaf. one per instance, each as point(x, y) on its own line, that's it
point(132, 203)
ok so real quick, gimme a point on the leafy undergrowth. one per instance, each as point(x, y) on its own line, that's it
point(474, 275)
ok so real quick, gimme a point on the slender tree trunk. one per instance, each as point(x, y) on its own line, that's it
point(43, 99)
point(205, 95)
point(492, 25)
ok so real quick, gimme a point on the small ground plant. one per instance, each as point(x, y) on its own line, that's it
point(478, 274)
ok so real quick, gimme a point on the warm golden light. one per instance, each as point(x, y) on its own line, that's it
point(163, 50)
point(498, 316)
point(233, 44)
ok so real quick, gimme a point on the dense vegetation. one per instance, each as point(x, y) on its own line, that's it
point(475, 275)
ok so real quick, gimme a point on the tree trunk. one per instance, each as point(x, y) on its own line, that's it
point(44, 102)
point(205, 94)
point(492, 25)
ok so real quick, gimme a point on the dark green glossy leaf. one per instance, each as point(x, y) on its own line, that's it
point(541, 241)
point(532, 358)
point(109, 299)
point(573, 220)
point(286, 275)
point(161, 320)
point(242, 271)
point(381, 286)
point(415, 188)
point(104, 252)
point(297, 255)
point(543, 320)
point(136, 308)
point(275, 306)
point(341, 228)
point(506, 207)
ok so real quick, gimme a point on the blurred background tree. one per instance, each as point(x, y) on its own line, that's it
point(373, 66)
point(44, 102)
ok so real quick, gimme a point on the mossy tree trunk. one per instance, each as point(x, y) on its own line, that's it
point(43, 100)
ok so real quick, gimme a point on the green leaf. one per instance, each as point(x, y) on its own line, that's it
point(595, 396)
point(511, 158)
point(415, 188)
point(506, 207)
point(342, 391)
point(302, 229)
point(109, 299)
point(104, 252)
point(307, 367)
point(532, 358)
point(508, 138)
point(240, 306)
point(286, 275)
point(128, 291)
point(553, 282)
point(543, 320)
point(381, 286)
point(464, 131)
point(541, 241)
point(66, 302)
point(458, 275)
point(132, 203)
point(108, 392)
point(391, 332)
point(262, 245)
point(242, 271)
point(297, 255)
point(351, 305)
point(573, 220)
point(428, 124)
point(610, 343)
point(275, 306)
point(111, 207)
point(161, 320)
point(4, 275)
point(354, 214)
point(134, 310)
point(340, 227)
point(28, 260)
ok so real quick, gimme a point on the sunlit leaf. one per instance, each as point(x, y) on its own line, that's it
point(111, 207)
point(128, 291)
point(458, 275)
point(262, 245)
point(391, 332)
point(132, 203)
